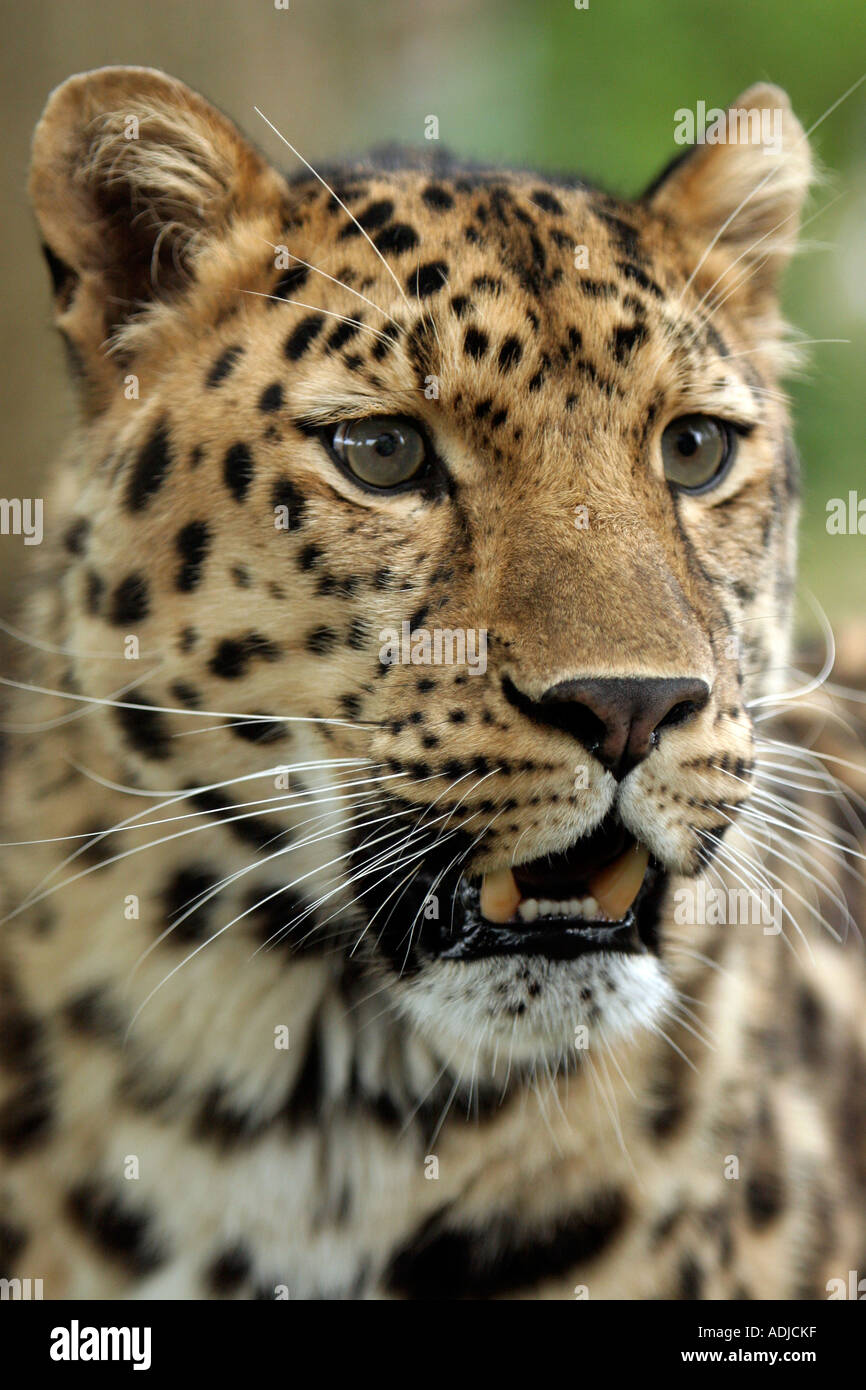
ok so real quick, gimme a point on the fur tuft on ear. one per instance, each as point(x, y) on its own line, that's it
point(130, 172)
point(737, 194)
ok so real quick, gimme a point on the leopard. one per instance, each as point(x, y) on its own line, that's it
point(403, 693)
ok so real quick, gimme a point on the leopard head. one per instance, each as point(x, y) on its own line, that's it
point(467, 497)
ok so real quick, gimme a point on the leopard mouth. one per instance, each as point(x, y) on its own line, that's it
point(598, 895)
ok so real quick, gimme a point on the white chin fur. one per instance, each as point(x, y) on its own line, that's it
point(471, 1011)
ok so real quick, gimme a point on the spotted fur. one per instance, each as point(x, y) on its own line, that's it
point(430, 1130)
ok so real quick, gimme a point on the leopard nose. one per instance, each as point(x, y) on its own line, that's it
point(618, 720)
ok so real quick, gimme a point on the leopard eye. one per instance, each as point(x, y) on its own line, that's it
point(697, 452)
point(382, 452)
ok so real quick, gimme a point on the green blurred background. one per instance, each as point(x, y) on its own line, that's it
point(534, 82)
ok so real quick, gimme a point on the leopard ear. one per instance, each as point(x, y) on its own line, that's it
point(131, 173)
point(738, 195)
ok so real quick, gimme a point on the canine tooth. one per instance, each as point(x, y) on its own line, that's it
point(500, 896)
point(574, 908)
point(616, 886)
point(591, 909)
point(529, 909)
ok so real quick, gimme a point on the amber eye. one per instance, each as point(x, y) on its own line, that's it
point(697, 452)
point(384, 451)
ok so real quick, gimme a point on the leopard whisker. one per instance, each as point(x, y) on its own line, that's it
point(317, 309)
point(334, 281)
point(339, 200)
point(178, 709)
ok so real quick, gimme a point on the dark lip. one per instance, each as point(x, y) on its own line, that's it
point(407, 938)
point(562, 938)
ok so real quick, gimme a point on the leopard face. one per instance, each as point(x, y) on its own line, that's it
point(327, 422)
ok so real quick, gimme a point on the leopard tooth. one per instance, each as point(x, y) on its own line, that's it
point(500, 896)
point(616, 886)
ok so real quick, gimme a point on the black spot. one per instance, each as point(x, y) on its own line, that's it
point(185, 694)
point(487, 284)
point(259, 730)
point(510, 354)
point(344, 586)
point(238, 470)
point(435, 196)
point(75, 539)
point(624, 235)
point(13, 1240)
point(342, 334)
point(427, 279)
point(272, 398)
point(626, 338)
point(371, 217)
point(234, 654)
point(91, 1013)
point(94, 589)
point(597, 289)
point(810, 1026)
point(193, 543)
point(26, 1116)
point(246, 828)
point(321, 641)
point(460, 303)
point(21, 1034)
point(302, 336)
point(223, 1124)
point(634, 272)
point(289, 283)
point(475, 343)
point(502, 1258)
point(396, 239)
point(180, 892)
point(285, 494)
point(115, 1229)
point(152, 464)
point(144, 729)
point(130, 601)
point(223, 365)
point(545, 200)
point(690, 1279)
point(228, 1271)
point(764, 1198)
point(273, 911)
point(309, 556)
point(306, 1098)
